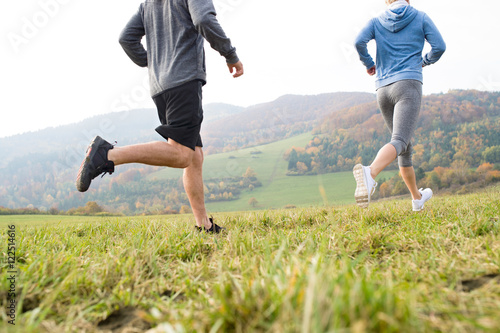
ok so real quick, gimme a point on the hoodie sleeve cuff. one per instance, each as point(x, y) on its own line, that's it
point(369, 65)
point(425, 61)
point(232, 58)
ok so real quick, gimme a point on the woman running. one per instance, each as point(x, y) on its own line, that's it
point(400, 34)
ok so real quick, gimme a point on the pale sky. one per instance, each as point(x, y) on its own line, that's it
point(60, 61)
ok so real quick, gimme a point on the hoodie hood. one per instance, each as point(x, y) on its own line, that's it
point(397, 19)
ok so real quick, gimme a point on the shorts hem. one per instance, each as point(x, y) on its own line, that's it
point(170, 134)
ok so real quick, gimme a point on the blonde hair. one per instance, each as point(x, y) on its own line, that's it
point(388, 2)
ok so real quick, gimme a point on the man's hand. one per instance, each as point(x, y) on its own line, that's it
point(238, 67)
point(371, 71)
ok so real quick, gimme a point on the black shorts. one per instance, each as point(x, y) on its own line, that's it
point(181, 113)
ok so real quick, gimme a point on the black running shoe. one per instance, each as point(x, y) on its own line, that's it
point(215, 229)
point(95, 163)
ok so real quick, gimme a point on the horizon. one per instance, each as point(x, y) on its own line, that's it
point(214, 103)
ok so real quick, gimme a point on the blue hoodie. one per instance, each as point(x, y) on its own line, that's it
point(400, 36)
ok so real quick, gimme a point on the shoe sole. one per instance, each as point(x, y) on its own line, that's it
point(83, 179)
point(361, 194)
point(418, 210)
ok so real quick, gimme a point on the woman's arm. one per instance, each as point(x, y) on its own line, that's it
point(361, 42)
point(434, 38)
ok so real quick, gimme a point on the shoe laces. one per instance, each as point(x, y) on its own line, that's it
point(374, 187)
point(106, 172)
point(109, 167)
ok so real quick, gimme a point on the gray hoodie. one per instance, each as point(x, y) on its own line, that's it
point(175, 31)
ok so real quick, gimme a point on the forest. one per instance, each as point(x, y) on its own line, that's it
point(128, 193)
point(288, 116)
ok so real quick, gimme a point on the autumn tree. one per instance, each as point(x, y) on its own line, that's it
point(93, 208)
point(185, 210)
point(385, 190)
point(253, 202)
point(302, 167)
point(250, 173)
point(492, 154)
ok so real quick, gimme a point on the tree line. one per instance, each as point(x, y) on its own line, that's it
point(457, 142)
point(460, 125)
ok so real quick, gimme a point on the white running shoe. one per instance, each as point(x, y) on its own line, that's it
point(365, 185)
point(418, 205)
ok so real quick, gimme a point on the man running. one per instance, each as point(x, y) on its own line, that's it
point(175, 31)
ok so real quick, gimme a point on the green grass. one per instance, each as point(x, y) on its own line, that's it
point(278, 190)
point(330, 269)
point(39, 220)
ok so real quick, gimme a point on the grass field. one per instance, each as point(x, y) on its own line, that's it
point(278, 190)
point(329, 269)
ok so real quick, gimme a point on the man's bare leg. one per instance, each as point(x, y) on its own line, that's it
point(174, 155)
point(193, 185)
point(158, 153)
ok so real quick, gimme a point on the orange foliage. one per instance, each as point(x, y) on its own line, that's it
point(440, 171)
point(493, 175)
point(302, 167)
point(385, 190)
point(485, 167)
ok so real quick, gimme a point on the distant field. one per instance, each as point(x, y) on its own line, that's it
point(278, 190)
point(302, 191)
point(270, 162)
point(325, 269)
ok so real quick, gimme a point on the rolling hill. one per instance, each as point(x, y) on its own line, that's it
point(329, 132)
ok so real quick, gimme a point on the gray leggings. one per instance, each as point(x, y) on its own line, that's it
point(400, 106)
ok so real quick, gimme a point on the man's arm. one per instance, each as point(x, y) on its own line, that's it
point(130, 39)
point(203, 16)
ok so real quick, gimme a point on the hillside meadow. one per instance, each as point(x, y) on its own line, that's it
point(322, 269)
point(278, 190)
